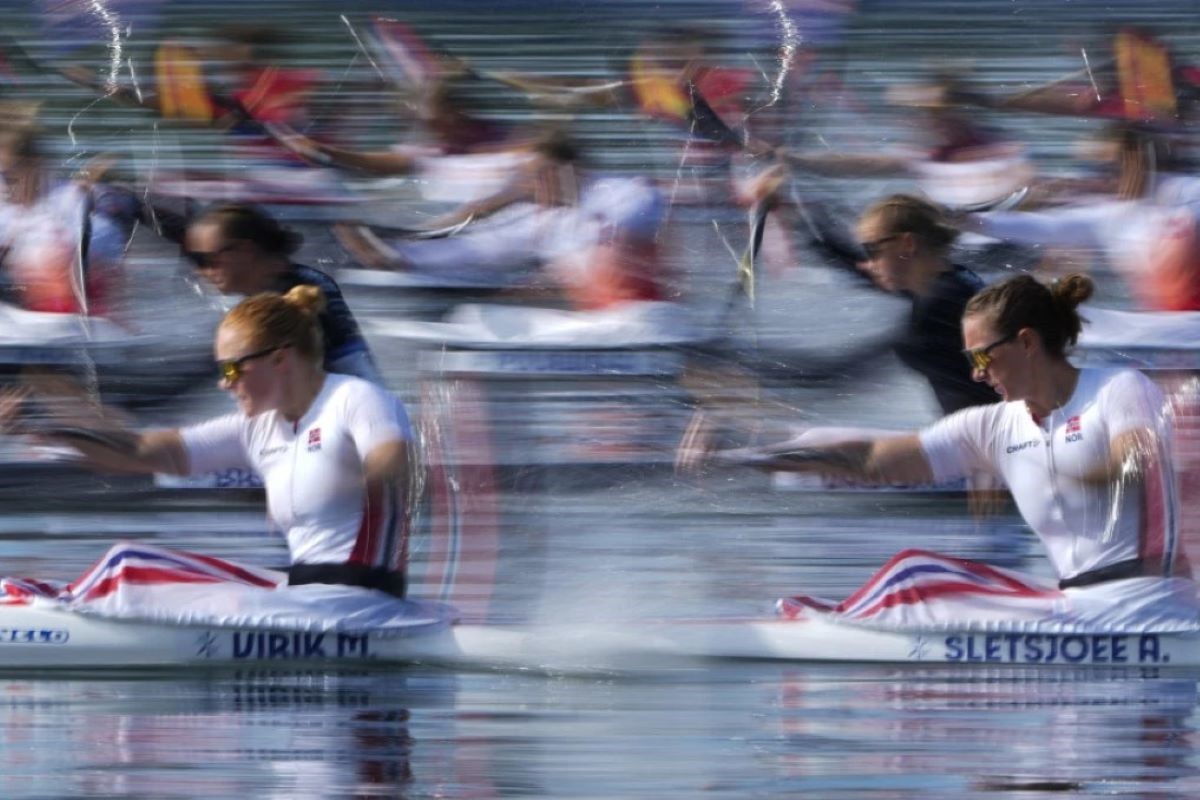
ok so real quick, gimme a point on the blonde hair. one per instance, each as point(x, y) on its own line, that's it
point(283, 320)
point(906, 213)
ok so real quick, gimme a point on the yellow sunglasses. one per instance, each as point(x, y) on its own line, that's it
point(981, 357)
point(230, 369)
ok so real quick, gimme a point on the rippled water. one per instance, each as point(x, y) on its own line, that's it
point(658, 547)
point(758, 731)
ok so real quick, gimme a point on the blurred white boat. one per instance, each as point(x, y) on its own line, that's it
point(39, 337)
point(626, 326)
point(1155, 340)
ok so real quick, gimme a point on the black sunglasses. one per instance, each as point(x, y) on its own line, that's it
point(230, 369)
point(206, 259)
point(981, 357)
point(873, 248)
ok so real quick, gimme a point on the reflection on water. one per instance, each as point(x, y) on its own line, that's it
point(753, 730)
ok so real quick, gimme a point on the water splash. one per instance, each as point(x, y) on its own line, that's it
point(1088, 66)
point(112, 23)
point(358, 40)
point(788, 43)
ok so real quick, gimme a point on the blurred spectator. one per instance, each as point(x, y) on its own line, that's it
point(673, 75)
point(462, 157)
point(62, 242)
point(233, 84)
point(1147, 227)
point(226, 82)
point(956, 161)
point(1140, 82)
point(595, 238)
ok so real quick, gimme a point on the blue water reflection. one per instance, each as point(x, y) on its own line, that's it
point(725, 732)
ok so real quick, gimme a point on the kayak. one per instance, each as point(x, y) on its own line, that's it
point(51, 638)
point(144, 606)
point(47, 636)
point(825, 641)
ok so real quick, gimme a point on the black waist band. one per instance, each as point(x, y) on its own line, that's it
point(385, 580)
point(1133, 568)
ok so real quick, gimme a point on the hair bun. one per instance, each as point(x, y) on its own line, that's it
point(1072, 290)
point(307, 298)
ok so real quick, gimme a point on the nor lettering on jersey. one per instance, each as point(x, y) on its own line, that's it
point(1074, 430)
point(314, 439)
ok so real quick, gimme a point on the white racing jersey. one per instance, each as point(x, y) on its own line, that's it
point(463, 177)
point(312, 470)
point(1083, 525)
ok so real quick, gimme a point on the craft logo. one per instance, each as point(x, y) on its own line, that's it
point(1016, 448)
point(1074, 431)
point(314, 439)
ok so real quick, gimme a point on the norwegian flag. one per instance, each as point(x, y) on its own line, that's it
point(1073, 425)
point(314, 439)
point(129, 564)
point(919, 587)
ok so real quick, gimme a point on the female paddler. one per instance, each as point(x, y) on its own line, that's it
point(332, 449)
point(1085, 454)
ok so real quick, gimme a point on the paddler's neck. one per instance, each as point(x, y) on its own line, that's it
point(263, 274)
point(924, 269)
point(1052, 390)
point(273, 270)
point(304, 391)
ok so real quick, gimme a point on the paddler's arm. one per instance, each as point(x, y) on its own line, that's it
point(386, 471)
point(1131, 456)
point(125, 451)
point(562, 93)
point(387, 462)
point(891, 459)
point(105, 444)
point(385, 162)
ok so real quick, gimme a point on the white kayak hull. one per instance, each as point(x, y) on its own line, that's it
point(51, 638)
point(39, 638)
point(817, 641)
point(633, 644)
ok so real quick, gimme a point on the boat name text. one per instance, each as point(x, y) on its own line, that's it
point(1041, 648)
point(262, 646)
